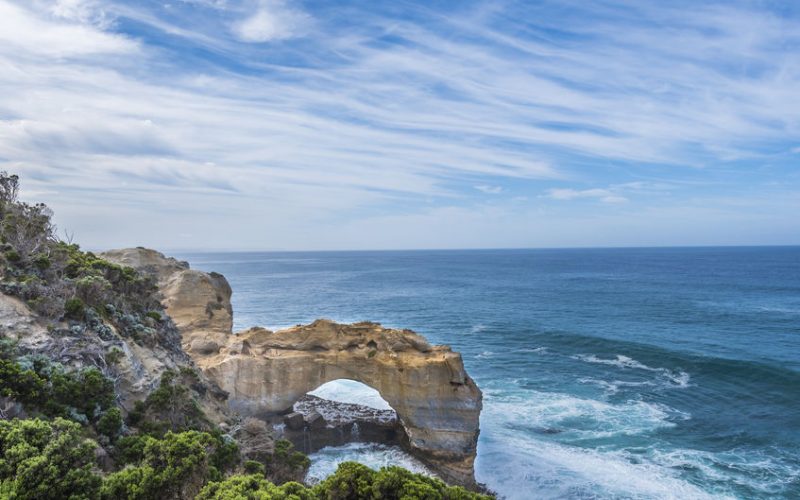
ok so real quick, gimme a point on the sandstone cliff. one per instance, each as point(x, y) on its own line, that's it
point(265, 372)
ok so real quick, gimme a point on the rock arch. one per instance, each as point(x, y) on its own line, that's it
point(266, 372)
point(436, 402)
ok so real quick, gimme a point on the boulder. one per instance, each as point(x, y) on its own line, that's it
point(294, 421)
point(315, 421)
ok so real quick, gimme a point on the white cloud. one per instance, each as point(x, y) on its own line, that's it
point(273, 20)
point(485, 188)
point(604, 195)
point(22, 30)
point(84, 11)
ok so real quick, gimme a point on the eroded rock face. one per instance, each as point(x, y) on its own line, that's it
point(199, 303)
point(266, 372)
point(136, 373)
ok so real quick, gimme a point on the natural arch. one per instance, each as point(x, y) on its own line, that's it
point(265, 372)
point(436, 402)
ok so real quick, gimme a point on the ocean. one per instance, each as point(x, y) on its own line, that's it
point(606, 373)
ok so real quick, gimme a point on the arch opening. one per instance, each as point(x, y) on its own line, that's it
point(342, 412)
point(351, 392)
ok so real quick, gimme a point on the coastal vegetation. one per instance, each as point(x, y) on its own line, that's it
point(64, 433)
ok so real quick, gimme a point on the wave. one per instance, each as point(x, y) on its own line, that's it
point(547, 443)
point(752, 471)
point(537, 350)
point(614, 386)
point(477, 328)
point(678, 379)
point(325, 461)
point(575, 418)
point(516, 466)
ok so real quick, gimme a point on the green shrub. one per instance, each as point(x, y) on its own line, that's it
point(155, 315)
point(42, 262)
point(13, 256)
point(250, 487)
point(253, 467)
point(171, 406)
point(286, 464)
point(114, 356)
point(25, 386)
point(175, 466)
point(54, 391)
point(74, 309)
point(110, 423)
point(46, 460)
point(351, 481)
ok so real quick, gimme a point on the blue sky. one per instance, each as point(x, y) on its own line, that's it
point(309, 125)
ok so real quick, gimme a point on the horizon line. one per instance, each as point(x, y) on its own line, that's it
point(475, 249)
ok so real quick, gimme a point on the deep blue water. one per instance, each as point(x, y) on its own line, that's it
point(607, 373)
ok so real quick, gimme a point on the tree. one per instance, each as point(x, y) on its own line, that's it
point(9, 188)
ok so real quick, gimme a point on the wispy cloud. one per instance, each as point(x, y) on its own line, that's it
point(273, 20)
point(604, 195)
point(342, 110)
point(485, 188)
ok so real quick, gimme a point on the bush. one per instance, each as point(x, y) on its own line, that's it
point(12, 256)
point(55, 392)
point(171, 406)
point(114, 355)
point(41, 261)
point(175, 466)
point(351, 481)
point(253, 467)
point(44, 460)
point(74, 309)
point(110, 423)
point(286, 464)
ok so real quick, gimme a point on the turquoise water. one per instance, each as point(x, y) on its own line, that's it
point(613, 373)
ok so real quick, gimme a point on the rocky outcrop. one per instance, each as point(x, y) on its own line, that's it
point(136, 369)
point(265, 372)
point(199, 303)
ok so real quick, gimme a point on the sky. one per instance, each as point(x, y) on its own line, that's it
point(332, 125)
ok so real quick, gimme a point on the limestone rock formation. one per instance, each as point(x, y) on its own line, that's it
point(437, 403)
point(199, 303)
point(266, 372)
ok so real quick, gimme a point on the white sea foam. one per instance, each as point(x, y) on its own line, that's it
point(577, 418)
point(477, 328)
point(537, 350)
point(781, 310)
point(325, 461)
point(751, 469)
point(520, 469)
point(677, 379)
point(614, 386)
point(523, 465)
point(485, 354)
